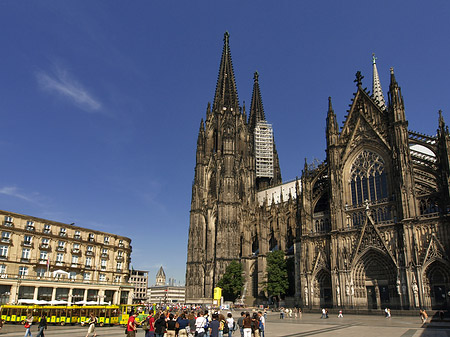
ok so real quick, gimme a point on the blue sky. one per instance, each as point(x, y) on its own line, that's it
point(101, 101)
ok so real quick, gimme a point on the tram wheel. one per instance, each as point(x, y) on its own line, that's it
point(102, 323)
point(63, 323)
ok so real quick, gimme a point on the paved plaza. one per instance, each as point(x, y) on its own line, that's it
point(308, 325)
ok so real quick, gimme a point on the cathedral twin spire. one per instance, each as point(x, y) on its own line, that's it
point(226, 90)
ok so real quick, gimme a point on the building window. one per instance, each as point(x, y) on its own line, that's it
point(43, 256)
point(86, 276)
point(23, 271)
point(77, 235)
point(91, 237)
point(368, 179)
point(6, 236)
point(106, 240)
point(26, 253)
point(40, 272)
point(61, 245)
point(2, 269)
point(63, 232)
point(59, 258)
point(8, 221)
point(3, 251)
point(76, 248)
point(119, 266)
point(88, 262)
point(103, 264)
point(119, 253)
point(72, 275)
point(90, 249)
point(102, 277)
point(27, 240)
point(30, 226)
point(74, 260)
point(121, 243)
point(117, 279)
point(47, 228)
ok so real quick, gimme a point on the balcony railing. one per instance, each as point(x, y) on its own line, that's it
point(60, 278)
point(89, 253)
point(382, 212)
point(8, 224)
point(30, 228)
point(6, 240)
point(44, 246)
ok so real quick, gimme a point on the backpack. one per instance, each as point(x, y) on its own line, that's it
point(226, 329)
point(145, 325)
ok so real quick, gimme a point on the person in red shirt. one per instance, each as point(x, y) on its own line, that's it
point(131, 325)
point(151, 325)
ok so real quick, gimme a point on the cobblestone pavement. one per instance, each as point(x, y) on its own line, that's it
point(309, 325)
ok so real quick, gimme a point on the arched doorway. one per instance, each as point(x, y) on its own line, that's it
point(323, 279)
point(438, 278)
point(375, 280)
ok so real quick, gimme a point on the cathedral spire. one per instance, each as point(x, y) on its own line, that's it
point(332, 126)
point(226, 91)
point(396, 105)
point(377, 92)
point(256, 108)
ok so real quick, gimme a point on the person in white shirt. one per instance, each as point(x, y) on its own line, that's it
point(230, 322)
point(200, 323)
point(262, 324)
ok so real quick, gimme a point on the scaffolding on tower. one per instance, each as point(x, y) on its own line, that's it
point(264, 149)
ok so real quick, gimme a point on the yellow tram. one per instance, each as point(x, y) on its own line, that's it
point(62, 315)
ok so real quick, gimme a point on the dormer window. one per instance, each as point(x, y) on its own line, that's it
point(63, 232)
point(91, 237)
point(30, 226)
point(47, 228)
point(77, 235)
point(8, 221)
point(106, 240)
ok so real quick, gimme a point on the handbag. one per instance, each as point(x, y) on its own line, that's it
point(27, 325)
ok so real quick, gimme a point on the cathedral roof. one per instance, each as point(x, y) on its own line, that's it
point(377, 92)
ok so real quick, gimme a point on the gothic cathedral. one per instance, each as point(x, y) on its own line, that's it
point(368, 228)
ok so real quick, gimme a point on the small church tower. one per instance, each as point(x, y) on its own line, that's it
point(161, 277)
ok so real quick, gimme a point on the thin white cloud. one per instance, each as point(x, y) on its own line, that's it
point(13, 191)
point(61, 83)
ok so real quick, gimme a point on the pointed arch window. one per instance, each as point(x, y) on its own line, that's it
point(368, 178)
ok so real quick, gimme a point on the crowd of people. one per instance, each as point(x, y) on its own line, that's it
point(199, 323)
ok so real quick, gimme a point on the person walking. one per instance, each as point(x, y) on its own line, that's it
point(91, 322)
point(191, 329)
point(28, 323)
point(247, 325)
point(423, 315)
point(42, 325)
point(131, 325)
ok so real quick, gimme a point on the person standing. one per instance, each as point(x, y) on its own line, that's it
point(150, 332)
point(240, 323)
point(28, 323)
point(191, 329)
point(214, 326)
point(262, 324)
point(247, 325)
point(183, 322)
point(160, 326)
point(171, 326)
point(42, 325)
point(230, 323)
point(92, 320)
point(131, 325)
point(200, 324)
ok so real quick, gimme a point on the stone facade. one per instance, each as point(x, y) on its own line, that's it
point(47, 260)
point(367, 228)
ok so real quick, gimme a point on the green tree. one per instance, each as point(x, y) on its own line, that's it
point(277, 276)
point(232, 281)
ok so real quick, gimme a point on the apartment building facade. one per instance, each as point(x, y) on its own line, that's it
point(44, 260)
